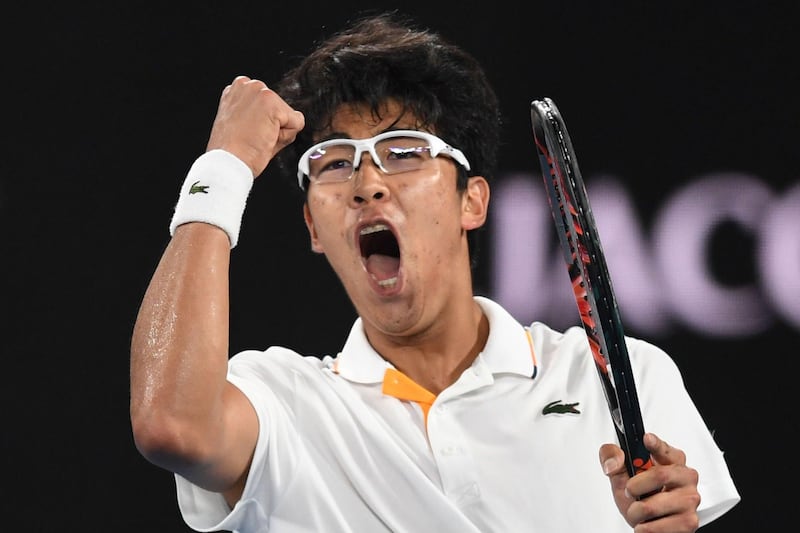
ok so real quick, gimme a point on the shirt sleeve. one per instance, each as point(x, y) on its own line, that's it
point(206, 511)
point(669, 412)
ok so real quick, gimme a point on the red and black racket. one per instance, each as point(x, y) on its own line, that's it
point(591, 282)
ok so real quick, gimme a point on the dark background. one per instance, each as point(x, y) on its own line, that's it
point(105, 106)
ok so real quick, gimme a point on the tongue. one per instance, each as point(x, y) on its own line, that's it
point(382, 267)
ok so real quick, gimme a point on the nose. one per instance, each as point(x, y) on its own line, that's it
point(368, 181)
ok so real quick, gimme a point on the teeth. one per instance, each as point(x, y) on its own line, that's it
point(372, 229)
point(387, 282)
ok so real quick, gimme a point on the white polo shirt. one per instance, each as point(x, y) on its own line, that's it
point(349, 444)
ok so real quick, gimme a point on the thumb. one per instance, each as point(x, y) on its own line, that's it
point(612, 460)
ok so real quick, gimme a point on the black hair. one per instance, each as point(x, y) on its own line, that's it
point(385, 56)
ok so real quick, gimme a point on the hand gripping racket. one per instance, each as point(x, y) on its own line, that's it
point(591, 282)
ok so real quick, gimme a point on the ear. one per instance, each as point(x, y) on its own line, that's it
point(312, 231)
point(475, 203)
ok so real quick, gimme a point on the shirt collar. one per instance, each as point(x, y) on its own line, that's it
point(508, 349)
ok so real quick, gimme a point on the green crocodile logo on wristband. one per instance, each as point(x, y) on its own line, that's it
point(198, 188)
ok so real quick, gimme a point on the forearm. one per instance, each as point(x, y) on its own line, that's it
point(179, 349)
point(186, 416)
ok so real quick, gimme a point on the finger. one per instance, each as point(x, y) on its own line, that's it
point(612, 460)
point(238, 80)
point(297, 121)
point(662, 452)
point(292, 123)
point(662, 512)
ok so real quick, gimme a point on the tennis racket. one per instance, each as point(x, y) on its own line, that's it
point(591, 282)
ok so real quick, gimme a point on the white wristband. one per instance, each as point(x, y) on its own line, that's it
point(215, 191)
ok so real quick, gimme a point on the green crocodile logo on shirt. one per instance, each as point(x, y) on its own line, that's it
point(560, 408)
point(198, 188)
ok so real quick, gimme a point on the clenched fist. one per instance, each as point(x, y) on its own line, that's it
point(253, 123)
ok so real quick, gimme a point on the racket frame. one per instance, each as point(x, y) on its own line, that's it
point(591, 281)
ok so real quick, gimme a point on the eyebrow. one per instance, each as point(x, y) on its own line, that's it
point(332, 135)
point(343, 135)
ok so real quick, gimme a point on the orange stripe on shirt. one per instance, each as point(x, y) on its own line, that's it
point(533, 354)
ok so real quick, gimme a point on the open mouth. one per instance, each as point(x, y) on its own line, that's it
point(381, 253)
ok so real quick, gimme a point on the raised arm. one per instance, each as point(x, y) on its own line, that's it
point(186, 417)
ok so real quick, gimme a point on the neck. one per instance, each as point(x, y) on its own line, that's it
point(437, 357)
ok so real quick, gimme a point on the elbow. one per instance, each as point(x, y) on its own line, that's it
point(166, 442)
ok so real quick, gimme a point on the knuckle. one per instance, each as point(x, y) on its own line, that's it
point(694, 475)
point(694, 500)
point(661, 475)
point(691, 521)
point(645, 511)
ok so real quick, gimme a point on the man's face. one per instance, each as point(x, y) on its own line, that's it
point(397, 242)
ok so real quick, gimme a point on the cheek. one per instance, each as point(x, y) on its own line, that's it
point(328, 212)
point(324, 206)
point(318, 202)
point(439, 224)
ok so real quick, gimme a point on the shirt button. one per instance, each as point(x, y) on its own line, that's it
point(450, 450)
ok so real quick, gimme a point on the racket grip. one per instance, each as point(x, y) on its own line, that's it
point(638, 460)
